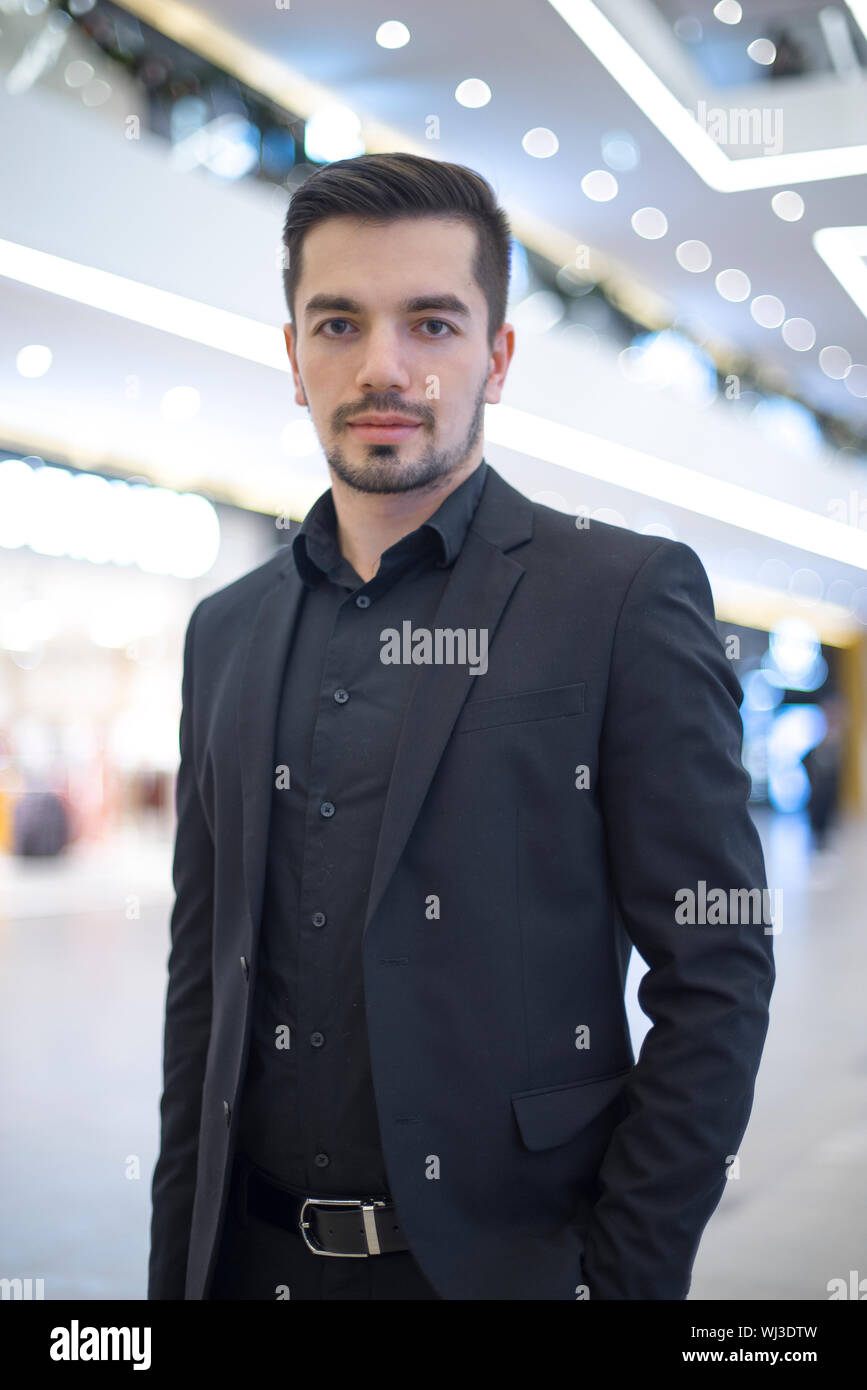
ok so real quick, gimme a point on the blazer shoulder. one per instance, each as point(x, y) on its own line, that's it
point(612, 552)
point(241, 596)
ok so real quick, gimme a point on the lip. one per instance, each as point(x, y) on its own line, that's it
point(390, 428)
point(387, 418)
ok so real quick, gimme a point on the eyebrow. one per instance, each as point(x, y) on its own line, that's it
point(338, 303)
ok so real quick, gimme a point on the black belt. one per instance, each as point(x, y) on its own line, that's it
point(342, 1226)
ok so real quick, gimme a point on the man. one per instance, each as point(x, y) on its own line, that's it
point(444, 759)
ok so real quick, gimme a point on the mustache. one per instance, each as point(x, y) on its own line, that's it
point(346, 414)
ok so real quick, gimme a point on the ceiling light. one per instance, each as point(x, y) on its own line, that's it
point(693, 256)
point(799, 334)
point(843, 250)
point(762, 51)
point(392, 34)
point(620, 151)
point(473, 92)
point(859, 11)
point(855, 379)
point(835, 362)
point(650, 223)
point(33, 360)
point(733, 285)
point(788, 206)
point(728, 12)
point(767, 310)
point(96, 93)
point(333, 132)
point(599, 185)
point(540, 142)
point(76, 73)
point(56, 512)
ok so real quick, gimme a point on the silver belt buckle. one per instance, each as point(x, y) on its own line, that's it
point(370, 1232)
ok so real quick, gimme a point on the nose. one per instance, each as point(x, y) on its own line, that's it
point(383, 367)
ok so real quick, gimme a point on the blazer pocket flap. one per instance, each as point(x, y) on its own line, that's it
point(550, 1117)
point(526, 705)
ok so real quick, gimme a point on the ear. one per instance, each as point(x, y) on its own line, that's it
point(289, 337)
point(501, 356)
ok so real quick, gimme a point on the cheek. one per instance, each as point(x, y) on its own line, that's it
point(445, 390)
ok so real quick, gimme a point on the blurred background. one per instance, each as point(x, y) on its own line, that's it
point(687, 186)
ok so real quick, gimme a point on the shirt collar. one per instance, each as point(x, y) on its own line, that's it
point(315, 543)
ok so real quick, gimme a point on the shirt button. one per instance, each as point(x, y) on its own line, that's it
point(341, 696)
point(317, 1039)
point(318, 919)
point(362, 601)
point(322, 1160)
point(327, 808)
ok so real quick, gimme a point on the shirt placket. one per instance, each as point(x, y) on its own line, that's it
point(320, 1060)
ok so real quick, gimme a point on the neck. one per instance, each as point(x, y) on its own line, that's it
point(369, 522)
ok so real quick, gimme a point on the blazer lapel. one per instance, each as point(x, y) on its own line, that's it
point(258, 707)
point(479, 586)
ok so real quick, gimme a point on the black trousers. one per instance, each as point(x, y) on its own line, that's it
point(258, 1260)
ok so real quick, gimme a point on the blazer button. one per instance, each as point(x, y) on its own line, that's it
point(245, 969)
point(227, 1111)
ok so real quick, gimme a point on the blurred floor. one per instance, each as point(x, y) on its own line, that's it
point(83, 948)
point(797, 1216)
point(82, 989)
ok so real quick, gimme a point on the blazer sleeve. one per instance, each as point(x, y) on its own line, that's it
point(674, 792)
point(187, 1015)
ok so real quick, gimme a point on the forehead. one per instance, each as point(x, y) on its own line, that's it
point(399, 253)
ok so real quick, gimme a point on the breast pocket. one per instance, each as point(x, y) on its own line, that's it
point(527, 705)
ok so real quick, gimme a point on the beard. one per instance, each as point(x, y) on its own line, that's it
point(384, 471)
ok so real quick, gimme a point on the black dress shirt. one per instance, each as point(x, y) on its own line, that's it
point(308, 1108)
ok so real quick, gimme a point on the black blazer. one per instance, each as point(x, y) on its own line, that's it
point(540, 820)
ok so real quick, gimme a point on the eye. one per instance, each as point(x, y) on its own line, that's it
point(442, 324)
point(439, 323)
point(327, 322)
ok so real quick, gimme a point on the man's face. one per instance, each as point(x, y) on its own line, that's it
point(389, 321)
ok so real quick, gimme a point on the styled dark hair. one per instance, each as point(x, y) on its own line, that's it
point(386, 187)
